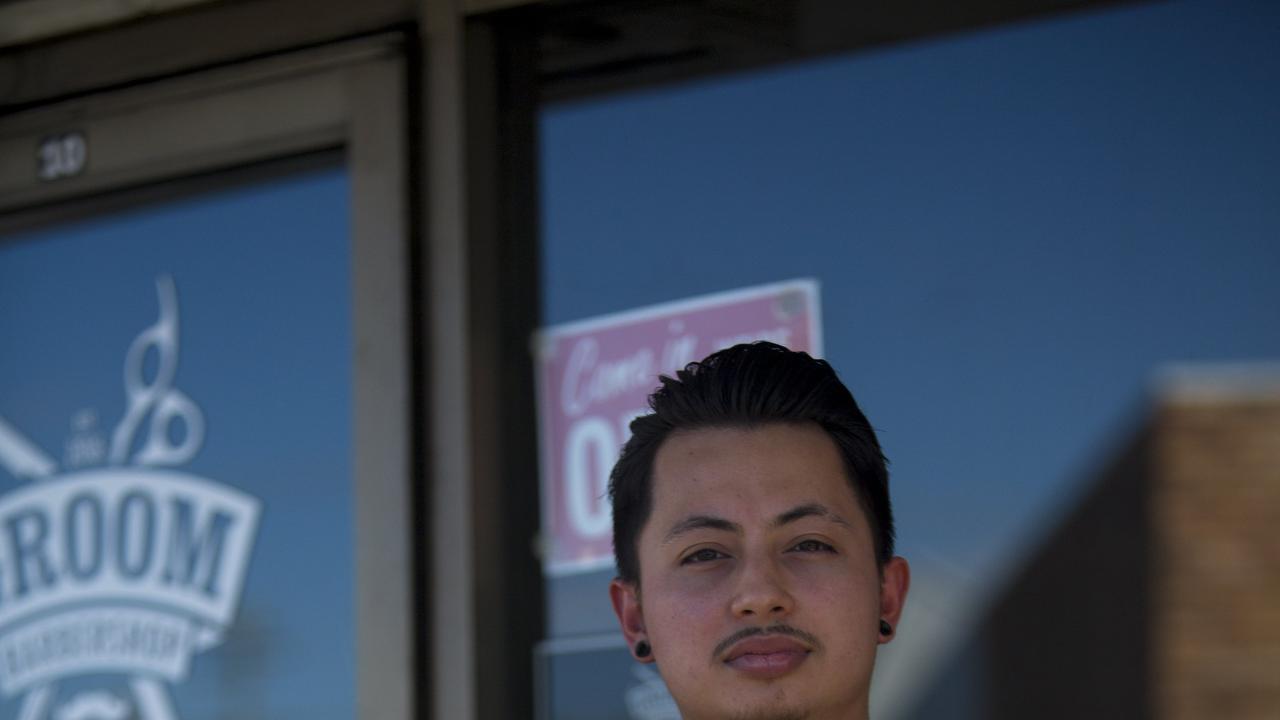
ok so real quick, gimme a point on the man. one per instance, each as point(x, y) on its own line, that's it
point(754, 540)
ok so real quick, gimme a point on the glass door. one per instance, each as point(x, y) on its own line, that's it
point(203, 484)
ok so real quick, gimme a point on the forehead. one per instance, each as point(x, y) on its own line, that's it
point(745, 472)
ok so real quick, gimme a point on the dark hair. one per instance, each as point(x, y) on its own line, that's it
point(744, 386)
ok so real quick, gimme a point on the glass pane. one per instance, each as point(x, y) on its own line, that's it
point(175, 458)
point(1014, 231)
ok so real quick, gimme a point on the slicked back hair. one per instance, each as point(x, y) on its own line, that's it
point(742, 387)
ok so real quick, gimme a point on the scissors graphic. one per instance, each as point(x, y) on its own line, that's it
point(158, 398)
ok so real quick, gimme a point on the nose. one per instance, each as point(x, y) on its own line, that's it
point(761, 592)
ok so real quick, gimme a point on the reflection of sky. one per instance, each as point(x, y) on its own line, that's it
point(1013, 230)
point(262, 281)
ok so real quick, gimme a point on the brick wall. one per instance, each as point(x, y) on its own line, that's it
point(1215, 507)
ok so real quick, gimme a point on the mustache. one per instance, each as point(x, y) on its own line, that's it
point(778, 629)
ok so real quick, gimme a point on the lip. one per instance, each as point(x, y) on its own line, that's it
point(766, 657)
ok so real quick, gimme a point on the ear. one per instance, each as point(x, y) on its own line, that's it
point(626, 605)
point(895, 581)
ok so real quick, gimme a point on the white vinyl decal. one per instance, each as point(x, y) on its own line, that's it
point(117, 562)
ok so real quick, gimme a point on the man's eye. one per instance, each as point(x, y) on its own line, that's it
point(808, 546)
point(701, 556)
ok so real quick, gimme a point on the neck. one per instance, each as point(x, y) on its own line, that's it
point(856, 713)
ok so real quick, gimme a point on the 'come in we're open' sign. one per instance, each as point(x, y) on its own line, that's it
point(594, 377)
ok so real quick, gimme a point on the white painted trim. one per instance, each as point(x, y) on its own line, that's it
point(808, 286)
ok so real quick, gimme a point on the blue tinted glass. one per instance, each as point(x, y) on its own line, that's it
point(175, 458)
point(1013, 230)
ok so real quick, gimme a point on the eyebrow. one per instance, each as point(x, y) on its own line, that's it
point(711, 522)
point(809, 510)
point(701, 522)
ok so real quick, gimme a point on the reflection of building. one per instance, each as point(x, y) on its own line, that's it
point(1158, 596)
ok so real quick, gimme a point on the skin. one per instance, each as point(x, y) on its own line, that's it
point(759, 592)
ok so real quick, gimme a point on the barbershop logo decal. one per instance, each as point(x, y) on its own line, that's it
point(117, 563)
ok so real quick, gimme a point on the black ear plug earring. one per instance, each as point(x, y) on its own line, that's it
point(643, 650)
point(885, 628)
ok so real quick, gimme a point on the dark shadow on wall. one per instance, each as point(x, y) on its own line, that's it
point(1069, 636)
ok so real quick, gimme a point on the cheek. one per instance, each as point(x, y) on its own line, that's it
point(837, 592)
point(683, 617)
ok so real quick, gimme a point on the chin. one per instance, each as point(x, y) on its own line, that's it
point(769, 714)
point(744, 706)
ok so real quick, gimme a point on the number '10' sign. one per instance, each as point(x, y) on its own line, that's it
point(594, 377)
point(61, 156)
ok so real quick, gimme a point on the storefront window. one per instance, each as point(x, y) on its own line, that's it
point(1013, 231)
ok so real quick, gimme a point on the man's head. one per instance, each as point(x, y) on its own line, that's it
point(754, 538)
point(742, 387)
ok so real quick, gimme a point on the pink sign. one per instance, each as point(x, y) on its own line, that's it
point(594, 377)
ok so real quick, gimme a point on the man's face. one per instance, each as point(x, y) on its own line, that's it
point(759, 592)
